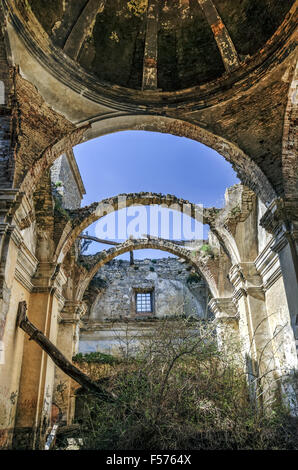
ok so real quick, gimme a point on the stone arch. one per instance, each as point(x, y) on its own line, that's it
point(103, 257)
point(247, 170)
point(228, 242)
point(82, 218)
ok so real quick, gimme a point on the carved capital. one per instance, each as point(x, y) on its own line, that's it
point(72, 312)
point(246, 280)
point(49, 277)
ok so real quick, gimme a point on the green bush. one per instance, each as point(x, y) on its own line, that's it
point(180, 392)
point(95, 357)
point(206, 249)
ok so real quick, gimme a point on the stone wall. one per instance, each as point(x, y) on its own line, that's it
point(175, 289)
point(67, 183)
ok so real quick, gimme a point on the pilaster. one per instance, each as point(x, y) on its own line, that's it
point(37, 377)
point(281, 220)
point(67, 343)
point(257, 337)
point(226, 314)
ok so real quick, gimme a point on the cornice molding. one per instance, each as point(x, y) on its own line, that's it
point(72, 312)
point(281, 215)
point(275, 276)
point(26, 265)
point(224, 309)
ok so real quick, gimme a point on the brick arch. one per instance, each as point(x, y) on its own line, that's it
point(206, 267)
point(290, 140)
point(249, 173)
point(82, 218)
point(48, 157)
point(247, 170)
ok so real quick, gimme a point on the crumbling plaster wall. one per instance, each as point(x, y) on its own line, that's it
point(176, 290)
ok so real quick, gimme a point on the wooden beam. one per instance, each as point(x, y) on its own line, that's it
point(57, 357)
point(150, 53)
point(98, 240)
point(224, 42)
point(176, 242)
point(132, 261)
point(82, 28)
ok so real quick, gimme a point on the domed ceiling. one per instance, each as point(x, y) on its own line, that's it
point(181, 42)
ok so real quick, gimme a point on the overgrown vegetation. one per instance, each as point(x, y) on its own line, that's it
point(207, 249)
point(180, 392)
point(193, 278)
point(95, 357)
point(59, 209)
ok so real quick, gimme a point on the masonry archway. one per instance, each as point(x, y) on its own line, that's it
point(247, 170)
point(207, 267)
point(82, 218)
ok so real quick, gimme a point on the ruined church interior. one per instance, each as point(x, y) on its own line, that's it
point(76, 307)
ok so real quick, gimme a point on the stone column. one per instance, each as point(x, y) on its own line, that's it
point(67, 343)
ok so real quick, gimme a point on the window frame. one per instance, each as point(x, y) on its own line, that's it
point(143, 291)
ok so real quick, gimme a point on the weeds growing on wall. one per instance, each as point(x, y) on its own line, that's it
point(180, 392)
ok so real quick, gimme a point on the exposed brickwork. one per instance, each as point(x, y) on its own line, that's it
point(44, 217)
point(247, 170)
point(240, 114)
point(6, 118)
point(290, 140)
point(39, 127)
point(256, 128)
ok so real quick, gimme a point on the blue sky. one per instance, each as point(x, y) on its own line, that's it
point(135, 161)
